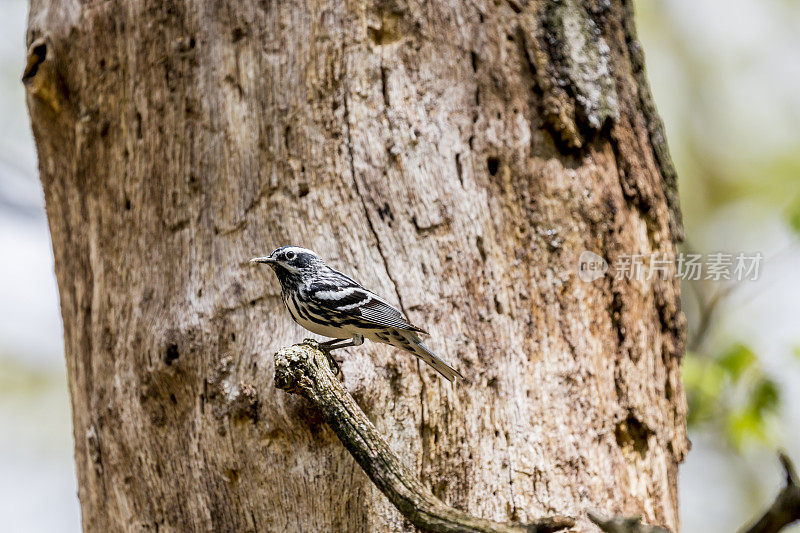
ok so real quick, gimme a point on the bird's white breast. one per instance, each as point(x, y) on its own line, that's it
point(313, 327)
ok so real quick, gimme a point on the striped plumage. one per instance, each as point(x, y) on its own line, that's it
point(328, 303)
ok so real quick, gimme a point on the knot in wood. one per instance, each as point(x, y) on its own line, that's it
point(295, 367)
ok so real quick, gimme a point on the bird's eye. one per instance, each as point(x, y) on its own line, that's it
point(290, 255)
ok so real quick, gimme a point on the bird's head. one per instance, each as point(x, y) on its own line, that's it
point(290, 261)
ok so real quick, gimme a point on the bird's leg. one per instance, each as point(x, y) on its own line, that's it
point(337, 370)
point(327, 347)
point(335, 344)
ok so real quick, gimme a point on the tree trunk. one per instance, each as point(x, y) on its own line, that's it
point(456, 157)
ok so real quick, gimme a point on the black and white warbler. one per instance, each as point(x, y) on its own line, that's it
point(328, 303)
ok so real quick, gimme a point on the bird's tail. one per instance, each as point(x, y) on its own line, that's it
point(419, 349)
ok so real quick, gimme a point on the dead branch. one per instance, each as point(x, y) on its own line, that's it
point(620, 524)
point(305, 370)
point(785, 509)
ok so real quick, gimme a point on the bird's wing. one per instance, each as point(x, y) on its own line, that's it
point(348, 298)
point(378, 311)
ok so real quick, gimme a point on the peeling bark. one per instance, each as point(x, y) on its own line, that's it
point(455, 157)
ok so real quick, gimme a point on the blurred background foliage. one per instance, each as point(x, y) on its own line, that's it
point(726, 78)
point(730, 393)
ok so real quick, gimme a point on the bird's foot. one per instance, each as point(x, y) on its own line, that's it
point(335, 368)
point(314, 343)
point(325, 347)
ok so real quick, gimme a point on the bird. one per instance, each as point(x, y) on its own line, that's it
point(329, 303)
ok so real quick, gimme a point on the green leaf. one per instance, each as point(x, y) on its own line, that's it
point(793, 216)
point(703, 381)
point(765, 398)
point(737, 360)
point(745, 425)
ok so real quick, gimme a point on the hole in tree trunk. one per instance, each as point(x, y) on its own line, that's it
point(36, 56)
point(493, 164)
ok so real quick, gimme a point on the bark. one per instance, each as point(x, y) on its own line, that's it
point(456, 157)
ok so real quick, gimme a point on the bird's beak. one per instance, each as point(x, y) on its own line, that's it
point(262, 260)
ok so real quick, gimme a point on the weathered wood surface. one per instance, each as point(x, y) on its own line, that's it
point(454, 156)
